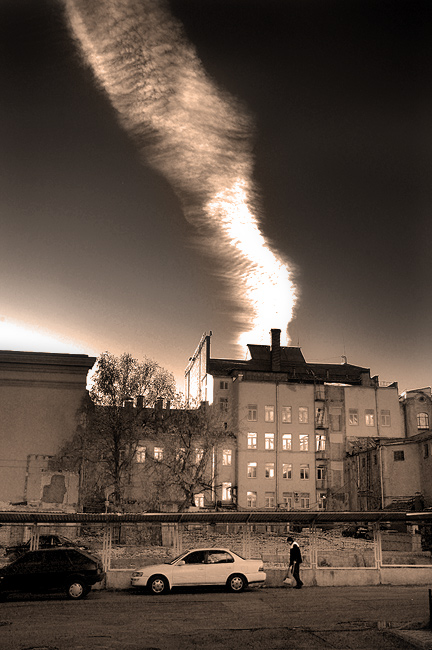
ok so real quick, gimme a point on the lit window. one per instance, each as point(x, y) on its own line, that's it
point(286, 441)
point(304, 500)
point(320, 471)
point(422, 421)
point(226, 457)
point(287, 470)
point(269, 470)
point(287, 500)
point(252, 413)
point(286, 414)
point(251, 499)
point(303, 414)
point(304, 442)
point(304, 472)
point(140, 454)
point(269, 413)
point(370, 417)
point(158, 453)
point(251, 470)
point(223, 404)
point(226, 491)
point(269, 441)
point(270, 500)
point(320, 442)
point(353, 417)
point(252, 440)
point(223, 385)
point(199, 500)
point(398, 455)
point(385, 418)
point(322, 500)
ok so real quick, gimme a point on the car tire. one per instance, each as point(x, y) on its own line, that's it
point(237, 582)
point(77, 588)
point(158, 585)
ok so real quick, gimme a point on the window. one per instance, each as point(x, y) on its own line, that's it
point(398, 455)
point(286, 414)
point(422, 421)
point(140, 454)
point(304, 442)
point(304, 500)
point(353, 417)
point(251, 470)
point(425, 450)
point(251, 499)
point(269, 440)
point(199, 500)
point(287, 470)
point(286, 441)
point(226, 491)
point(252, 413)
point(320, 473)
point(269, 413)
point(158, 453)
point(219, 557)
point(223, 404)
point(287, 500)
point(320, 442)
point(370, 417)
point(303, 415)
point(223, 385)
point(226, 457)
point(270, 500)
point(321, 500)
point(269, 470)
point(252, 440)
point(385, 418)
point(319, 416)
point(304, 472)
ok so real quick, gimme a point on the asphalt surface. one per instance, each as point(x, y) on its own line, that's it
point(317, 618)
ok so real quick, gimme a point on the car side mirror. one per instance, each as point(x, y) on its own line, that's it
point(181, 563)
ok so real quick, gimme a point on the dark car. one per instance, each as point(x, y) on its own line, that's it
point(359, 532)
point(45, 541)
point(60, 569)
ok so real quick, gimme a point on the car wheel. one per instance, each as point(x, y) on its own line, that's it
point(77, 589)
point(236, 582)
point(158, 585)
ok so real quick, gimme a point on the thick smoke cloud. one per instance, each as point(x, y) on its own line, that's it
point(198, 137)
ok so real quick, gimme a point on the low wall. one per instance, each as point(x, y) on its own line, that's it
point(322, 577)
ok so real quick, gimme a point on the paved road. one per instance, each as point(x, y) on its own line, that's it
point(315, 618)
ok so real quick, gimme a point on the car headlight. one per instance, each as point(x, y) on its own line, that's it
point(137, 574)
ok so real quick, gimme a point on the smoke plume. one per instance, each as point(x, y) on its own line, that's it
point(198, 137)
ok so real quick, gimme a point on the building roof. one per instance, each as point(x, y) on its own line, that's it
point(293, 367)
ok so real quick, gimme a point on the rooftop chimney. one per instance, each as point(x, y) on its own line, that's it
point(275, 352)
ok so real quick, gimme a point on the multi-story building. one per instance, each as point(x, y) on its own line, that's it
point(292, 420)
point(395, 472)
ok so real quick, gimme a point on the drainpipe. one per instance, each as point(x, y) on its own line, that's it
point(381, 477)
point(277, 444)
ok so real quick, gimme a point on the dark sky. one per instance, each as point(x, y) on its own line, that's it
point(94, 246)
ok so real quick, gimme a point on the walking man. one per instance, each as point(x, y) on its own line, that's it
point(295, 561)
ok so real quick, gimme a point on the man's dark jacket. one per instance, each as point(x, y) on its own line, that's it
point(295, 554)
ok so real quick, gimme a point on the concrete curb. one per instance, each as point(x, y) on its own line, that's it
point(417, 638)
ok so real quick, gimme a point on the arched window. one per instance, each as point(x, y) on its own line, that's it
point(422, 421)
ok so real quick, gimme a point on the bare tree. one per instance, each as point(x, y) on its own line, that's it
point(110, 427)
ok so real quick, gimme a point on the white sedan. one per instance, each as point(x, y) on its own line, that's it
point(203, 566)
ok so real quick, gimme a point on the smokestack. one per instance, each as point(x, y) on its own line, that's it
point(275, 351)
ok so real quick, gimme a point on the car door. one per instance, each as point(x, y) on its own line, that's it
point(24, 573)
point(220, 565)
point(190, 570)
